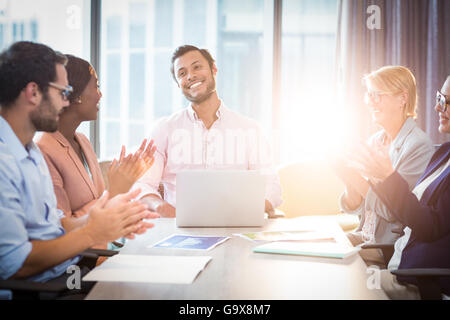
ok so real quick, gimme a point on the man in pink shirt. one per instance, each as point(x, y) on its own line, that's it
point(206, 135)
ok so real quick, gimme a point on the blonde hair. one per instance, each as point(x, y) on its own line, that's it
point(395, 80)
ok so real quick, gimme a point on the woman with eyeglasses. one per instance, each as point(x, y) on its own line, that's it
point(391, 97)
point(71, 160)
point(425, 211)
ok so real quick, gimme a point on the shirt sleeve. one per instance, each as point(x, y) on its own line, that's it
point(14, 243)
point(428, 222)
point(149, 182)
point(261, 158)
point(62, 199)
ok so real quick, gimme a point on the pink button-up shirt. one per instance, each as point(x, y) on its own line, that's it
point(234, 142)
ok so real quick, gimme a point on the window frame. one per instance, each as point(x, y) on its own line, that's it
point(276, 81)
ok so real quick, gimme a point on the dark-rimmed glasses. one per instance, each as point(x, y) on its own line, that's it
point(65, 90)
point(442, 101)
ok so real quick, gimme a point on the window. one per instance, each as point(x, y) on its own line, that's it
point(139, 39)
point(1, 36)
point(63, 25)
point(244, 54)
point(309, 116)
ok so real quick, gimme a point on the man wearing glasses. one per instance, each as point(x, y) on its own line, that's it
point(33, 243)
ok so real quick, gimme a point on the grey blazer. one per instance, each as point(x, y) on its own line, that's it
point(410, 153)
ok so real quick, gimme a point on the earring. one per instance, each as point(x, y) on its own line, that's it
point(79, 100)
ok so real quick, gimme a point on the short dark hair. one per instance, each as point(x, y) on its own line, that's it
point(182, 50)
point(78, 74)
point(24, 62)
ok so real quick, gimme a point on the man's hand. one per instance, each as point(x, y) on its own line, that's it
point(119, 218)
point(268, 207)
point(124, 198)
point(166, 210)
point(160, 206)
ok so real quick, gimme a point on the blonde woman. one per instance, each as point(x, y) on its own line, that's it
point(392, 99)
point(425, 211)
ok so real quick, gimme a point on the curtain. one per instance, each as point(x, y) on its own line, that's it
point(413, 33)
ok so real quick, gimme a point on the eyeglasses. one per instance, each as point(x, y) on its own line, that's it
point(442, 101)
point(65, 90)
point(374, 96)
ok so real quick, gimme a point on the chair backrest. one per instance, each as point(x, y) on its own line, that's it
point(309, 188)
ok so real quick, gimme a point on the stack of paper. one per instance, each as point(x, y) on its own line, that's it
point(151, 269)
point(330, 250)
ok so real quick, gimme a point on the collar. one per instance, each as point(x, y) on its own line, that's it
point(436, 161)
point(71, 154)
point(58, 136)
point(219, 113)
point(407, 127)
point(9, 137)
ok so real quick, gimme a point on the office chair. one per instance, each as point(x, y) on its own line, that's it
point(312, 188)
point(386, 248)
point(29, 290)
point(427, 278)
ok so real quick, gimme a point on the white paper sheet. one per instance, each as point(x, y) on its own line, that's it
point(149, 269)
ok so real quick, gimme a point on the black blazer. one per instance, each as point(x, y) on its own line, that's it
point(428, 219)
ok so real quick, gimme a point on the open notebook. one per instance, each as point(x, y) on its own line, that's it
point(329, 250)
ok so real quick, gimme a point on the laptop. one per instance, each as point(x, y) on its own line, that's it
point(213, 198)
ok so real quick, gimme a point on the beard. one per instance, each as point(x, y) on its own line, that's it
point(45, 116)
point(210, 89)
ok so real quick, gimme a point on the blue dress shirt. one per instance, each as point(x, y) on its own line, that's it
point(27, 205)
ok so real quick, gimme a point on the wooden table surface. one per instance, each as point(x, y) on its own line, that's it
point(235, 272)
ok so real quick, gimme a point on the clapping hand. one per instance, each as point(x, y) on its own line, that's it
point(372, 161)
point(118, 217)
point(354, 182)
point(123, 173)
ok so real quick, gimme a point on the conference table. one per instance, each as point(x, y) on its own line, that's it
point(237, 273)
